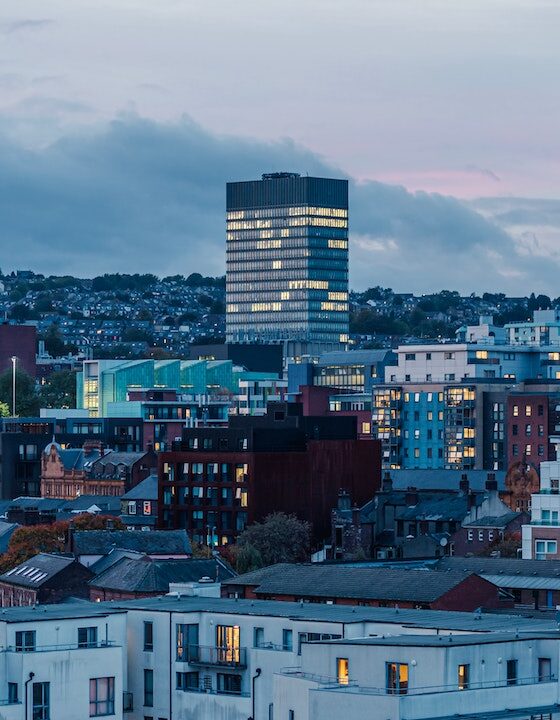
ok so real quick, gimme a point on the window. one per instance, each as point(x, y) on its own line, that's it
point(229, 684)
point(410, 356)
point(148, 688)
point(428, 356)
point(187, 642)
point(514, 429)
point(515, 410)
point(25, 642)
point(481, 536)
point(528, 430)
point(396, 678)
point(132, 507)
point(87, 637)
point(481, 354)
point(287, 640)
point(511, 672)
point(449, 356)
point(449, 376)
point(528, 410)
point(463, 676)
point(12, 692)
point(540, 410)
point(291, 715)
point(148, 636)
point(228, 642)
point(342, 671)
point(188, 681)
point(41, 701)
point(147, 507)
point(366, 428)
point(545, 670)
point(470, 535)
point(258, 637)
point(544, 548)
point(528, 449)
point(101, 696)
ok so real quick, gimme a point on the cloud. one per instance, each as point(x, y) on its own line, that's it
point(140, 196)
point(16, 26)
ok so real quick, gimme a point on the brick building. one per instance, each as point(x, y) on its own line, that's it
point(19, 341)
point(44, 578)
point(91, 470)
point(371, 586)
point(217, 480)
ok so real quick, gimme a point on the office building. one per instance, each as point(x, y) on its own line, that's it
point(287, 260)
point(217, 480)
point(541, 537)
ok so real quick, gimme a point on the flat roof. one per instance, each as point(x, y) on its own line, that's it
point(446, 640)
point(60, 611)
point(345, 614)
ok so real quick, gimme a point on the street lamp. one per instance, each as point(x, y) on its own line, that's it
point(14, 359)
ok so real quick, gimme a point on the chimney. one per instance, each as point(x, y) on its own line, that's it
point(471, 500)
point(387, 484)
point(355, 515)
point(344, 502)
point(464, 485)
point(491, 483)
point(411, 497)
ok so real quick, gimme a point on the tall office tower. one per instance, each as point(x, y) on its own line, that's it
point(287, 259)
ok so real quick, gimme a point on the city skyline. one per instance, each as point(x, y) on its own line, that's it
point(110, 165)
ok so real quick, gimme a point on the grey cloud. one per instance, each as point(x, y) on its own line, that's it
point(15, 26)
point(138, 196)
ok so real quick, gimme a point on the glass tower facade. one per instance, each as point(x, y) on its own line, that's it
point(287, 259)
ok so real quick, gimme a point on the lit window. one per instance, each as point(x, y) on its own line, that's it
point(342, 671)
point(463, 677)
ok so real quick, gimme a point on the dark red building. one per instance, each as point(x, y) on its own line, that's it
point(217, 480)
point(369, 586)
point(531, 418)
point(19, 341)
point(328, 401)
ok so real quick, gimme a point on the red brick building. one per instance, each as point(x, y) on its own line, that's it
point(217, 480)
point(19, 341)
point(369, 586)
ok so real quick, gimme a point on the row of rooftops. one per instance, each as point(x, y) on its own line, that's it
point(439, 620)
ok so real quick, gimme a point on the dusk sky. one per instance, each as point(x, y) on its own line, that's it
point(121, 121)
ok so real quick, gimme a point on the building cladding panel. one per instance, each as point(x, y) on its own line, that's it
point(287, 259)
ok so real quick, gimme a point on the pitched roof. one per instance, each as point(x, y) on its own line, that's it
point(6, 531)
point(157, 542)
point(120, 458)
point(317, 580)
point(37, 571)
point(112, 557)
point(154, 576)
point(501, 566)
point(145, 490)
point(439, 507)
point(105, 503)
point(439, 479)
point(78, 458)
point(494, 521)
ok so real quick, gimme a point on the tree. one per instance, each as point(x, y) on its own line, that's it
point(506, 547)
point(27, 400)
point(280, 538)
point(87, 521)
point(59, 391)
point(29, 541)
point(54, 344)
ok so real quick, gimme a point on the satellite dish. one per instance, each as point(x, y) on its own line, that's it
point(443, 542)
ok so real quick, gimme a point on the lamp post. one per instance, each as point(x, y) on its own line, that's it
point(14, 359)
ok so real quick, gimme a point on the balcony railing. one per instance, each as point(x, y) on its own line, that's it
point(352, 686)
point(219, 656)
point(208, 690)
point(54, 648)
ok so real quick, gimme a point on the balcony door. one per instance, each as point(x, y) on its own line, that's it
point(228, 643)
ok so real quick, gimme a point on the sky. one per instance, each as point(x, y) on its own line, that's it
point(122, 120)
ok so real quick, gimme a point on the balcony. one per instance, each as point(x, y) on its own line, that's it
point(128, 705)
point(234, 657)
point(55, 648)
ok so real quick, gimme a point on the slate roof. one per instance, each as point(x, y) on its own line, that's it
point(145, 490)
point(37, 571)
point(6, 531)
point(107, 561)
point(493, 521)
point(500, 566)
point(440, 479)
point(106, 503)
point(157, 542)
point(78, 459)
point(120, 458)
point(338, 581)
point(153, 576)
point(443, 507)
point(139, 520)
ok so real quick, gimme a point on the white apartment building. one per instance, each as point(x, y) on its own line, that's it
point(62, 662)
point(204, 658)
point(540, 539)
point(422, 676)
